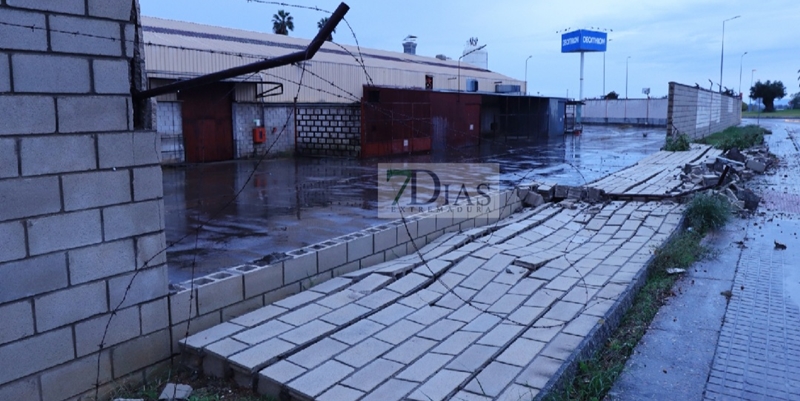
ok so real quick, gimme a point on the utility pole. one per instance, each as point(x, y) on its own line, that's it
point(526, 75)
point(722, 56)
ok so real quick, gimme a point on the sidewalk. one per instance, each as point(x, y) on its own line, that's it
point(696, 347)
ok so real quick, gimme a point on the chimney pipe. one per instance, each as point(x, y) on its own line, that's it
point(410, 45)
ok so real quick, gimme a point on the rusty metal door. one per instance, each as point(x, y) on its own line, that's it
point(207, 123)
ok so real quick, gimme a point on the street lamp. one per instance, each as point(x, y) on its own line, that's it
point(741, 59)
point(722, 56)
point(604, 71)
point(526, 75)
point(626, 77)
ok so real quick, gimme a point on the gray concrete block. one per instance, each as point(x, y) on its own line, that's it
point(340, 393)
point(13, 244)
point(332, 256)
point(360, 247)
point(32, 276)
point(298, 300)
point(315, 382)
point(259, 280)
point(263, 332)
point(261, 355)
point(58, 309)
point(26, 389)
point(92, 114)
point(317, 353)
point(111, 76)
point(147, 183)
point(399, 332)
point(241, 308)
point(123, 326)
point(130, 37)
point(364, 352)
point(309, 332)
point(9, 162)
point(61, 6)
point(155, 315)
point(385, 239)
point(64, 231)
point(95, 189)
point(357, 332)
point(21, 314)
point(493, 379)
point(206, 337)
point(304, 315)
point(439, 386)
point(271, 379)
point(35, 354)
point(146, 285)
point(101, 261)
point(300, 267)
point(227, 289)
point(146, 148)
point(57, 154)
point(23, 38)
point(133, 219)
point(115, 150)
point(151, 251)
point(112, 9)
point(94, 41)
point(140, 352)
point(45, 73)
point(5, 74)
point(258, 316)
point(372, 375)
point(22, 115)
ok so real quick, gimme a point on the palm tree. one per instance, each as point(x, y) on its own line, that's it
point(282, 23)
point(322, 23)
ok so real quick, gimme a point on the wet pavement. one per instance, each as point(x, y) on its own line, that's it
point(247, 210)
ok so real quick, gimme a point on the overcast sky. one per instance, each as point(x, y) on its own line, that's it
point(673, 40)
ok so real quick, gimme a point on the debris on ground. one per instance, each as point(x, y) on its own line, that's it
point(175, 392)
point(779, 246)
point(675, 270)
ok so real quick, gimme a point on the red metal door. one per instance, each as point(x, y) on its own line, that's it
point(207, 123)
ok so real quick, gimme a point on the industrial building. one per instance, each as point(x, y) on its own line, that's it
point(346, 102)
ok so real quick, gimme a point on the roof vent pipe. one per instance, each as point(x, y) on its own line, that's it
point(410, 45)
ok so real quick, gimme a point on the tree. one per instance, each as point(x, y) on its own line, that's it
point(611, 96)
point(768, 92)
point(322, 23)
point(795, 102)
point(282, 23)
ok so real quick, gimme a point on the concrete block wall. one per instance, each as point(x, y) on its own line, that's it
point(699, 112)
point(278, 120)
point(626, 111)
point(215, 298)
point(329, 130)
point(170, 128)
point(81, 210)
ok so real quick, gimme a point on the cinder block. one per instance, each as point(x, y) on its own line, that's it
point(64, 231)
point(27, 389)
point(8, 154)
point(101, 261)
point(57, 154)
point(75, 377)
point(140, 352)
point(151, 251)
point(22, 38)
point(182, 330)
point(115, 150)
point(124, 325)
point(58, 309)
point(95, 189)
point(12, 245)
point(333, 256)
point(61, 6)
point(145, 286)
point(92, 114)
point(300, 267)
point(426, 225)
point(146, 148)
point(182, 305)
point(133, 219)
point(46, 73)
point(259, 280)
point(359, 247)
point(113, 9)
point(5, 75)
point(147, 183)
point(94, 39)
point(241, 308)
point(130, 34)
point(35, 354)
point(228, 289)
point(110, 76)
point(385, 239)
point(20, 318)
point(32, 276)
point(155, 315)
point(22, 115)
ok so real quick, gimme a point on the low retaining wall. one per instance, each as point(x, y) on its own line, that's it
point(215, 298)
point(698, 112)
point(622, 111)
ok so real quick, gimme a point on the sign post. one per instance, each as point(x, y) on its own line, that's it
point(582, 41)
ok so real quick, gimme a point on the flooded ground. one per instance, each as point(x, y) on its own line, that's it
point(248, 211)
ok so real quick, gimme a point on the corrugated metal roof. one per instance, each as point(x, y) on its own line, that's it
point(176, 49)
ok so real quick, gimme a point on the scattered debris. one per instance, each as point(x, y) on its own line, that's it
point(674, 270)
point(175, 392)
point(756, 165)
point(533, 199)
point(128, 399)
point(727, 294)
point(779, 246)
point(736, 155)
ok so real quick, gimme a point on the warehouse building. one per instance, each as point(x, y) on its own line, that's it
point(345, 102)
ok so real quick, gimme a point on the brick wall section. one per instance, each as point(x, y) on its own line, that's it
point(277, 119)
point(329, 130)
point(698, 112)
point(170, 128)
point(81, 207)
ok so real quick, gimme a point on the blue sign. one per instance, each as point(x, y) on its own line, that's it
point(583, 40)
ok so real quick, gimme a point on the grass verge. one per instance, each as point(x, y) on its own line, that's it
point(680, 143)
point(595, 376)
point(739, 137)
point(204, 388)
point(791, 113)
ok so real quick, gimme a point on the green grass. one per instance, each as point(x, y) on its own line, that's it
point(739, 137)
point(792, 113)
point(680, 143)
point(596, 375)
